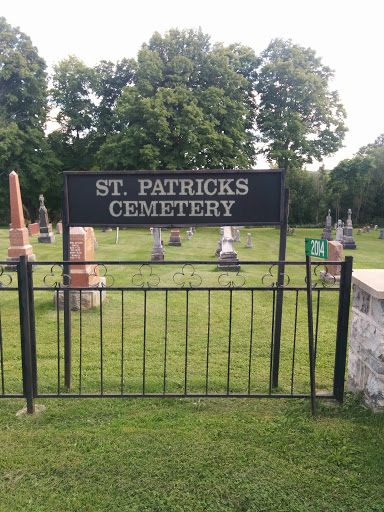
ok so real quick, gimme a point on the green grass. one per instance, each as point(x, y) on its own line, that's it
point(184, 454)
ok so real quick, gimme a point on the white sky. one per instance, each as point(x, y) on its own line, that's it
point(347, 34)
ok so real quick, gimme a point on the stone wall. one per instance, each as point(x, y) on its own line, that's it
point(366, 337)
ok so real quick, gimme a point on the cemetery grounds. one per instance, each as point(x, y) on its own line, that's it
point(171, 454)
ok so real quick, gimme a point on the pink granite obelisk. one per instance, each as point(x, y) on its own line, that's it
point(18, 234)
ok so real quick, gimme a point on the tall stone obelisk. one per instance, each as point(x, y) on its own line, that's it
point(18, 234)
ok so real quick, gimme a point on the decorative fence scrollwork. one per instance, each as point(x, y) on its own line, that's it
point(3, 282)
point(56, 273)
point(325, 279)
point(274, 284)
point(187, 277)
point(109, 279)
point(145, 278)
point(231, 281)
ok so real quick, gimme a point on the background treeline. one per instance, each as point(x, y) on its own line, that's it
point(183, 103)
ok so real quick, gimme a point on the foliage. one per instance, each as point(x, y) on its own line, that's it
point(299, 118)
point(183, 103)
point(358, 183)
point(191, 107)
point(23, 110)
point(85, 98)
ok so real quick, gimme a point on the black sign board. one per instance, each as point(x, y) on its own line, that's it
point(174, 198)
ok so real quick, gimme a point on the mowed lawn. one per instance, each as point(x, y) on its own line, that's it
point(185, 454)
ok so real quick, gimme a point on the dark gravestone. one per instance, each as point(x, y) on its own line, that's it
point(174, 239)
point(46, 235)
point(327, 231)
point(348, 240)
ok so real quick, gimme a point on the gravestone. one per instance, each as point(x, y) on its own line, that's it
point(106, 229)
point(81, 241)
point(359, 232)
point(381, 237)
point(237, 236)
point(335, 253)
point(158, 249)
point(188, 235)
point(174, 239)
point(228, 257)
point(327, 231)
point(219, 243)
point(46, 235)
point(339, 232)
point(33, 229)
point(18, 233)
point(368, 229)
point(348, 240)
point(365, 229)
point(376, 227)
point(59, 228)
point(193, 229)
point(249, 242)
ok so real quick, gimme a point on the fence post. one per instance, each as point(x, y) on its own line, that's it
point(342, 328)
point(32, 327)
point(279, 297)
point(25, 333)
point(66, 292)
point(310, 333)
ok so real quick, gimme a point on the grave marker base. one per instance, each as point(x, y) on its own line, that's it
point(46, 238)
point(12, 268)
point(90, 297)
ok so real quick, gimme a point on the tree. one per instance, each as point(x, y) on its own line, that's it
point(85, 99)
point(299, 118)
point(71, 95)
point(350, 183)
point(23, 110)
point(110, 80)
point(375, 151)
point(191, 106)
point(302, 196)
point(320, 179)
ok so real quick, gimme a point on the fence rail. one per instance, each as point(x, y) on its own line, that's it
point(172, 329)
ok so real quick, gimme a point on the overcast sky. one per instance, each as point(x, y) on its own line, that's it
point(347, 34)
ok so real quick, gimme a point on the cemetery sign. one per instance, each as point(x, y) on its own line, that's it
point(174, 198)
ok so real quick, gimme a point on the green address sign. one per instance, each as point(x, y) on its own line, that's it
point(316, 247)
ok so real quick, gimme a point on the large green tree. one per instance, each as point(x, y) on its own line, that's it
point(351, 184)
point(300, 119)
point(358, 183)
point(84, 99)
point(23, 110)
point(375, 151)
point(191, 105)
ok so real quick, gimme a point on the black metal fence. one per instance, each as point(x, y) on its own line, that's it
point(157, 329)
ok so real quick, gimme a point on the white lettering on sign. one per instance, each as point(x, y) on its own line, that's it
point(182, 187)
point(165, 188)
point(170, 208)
point(102, 187)
point(317, 248)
